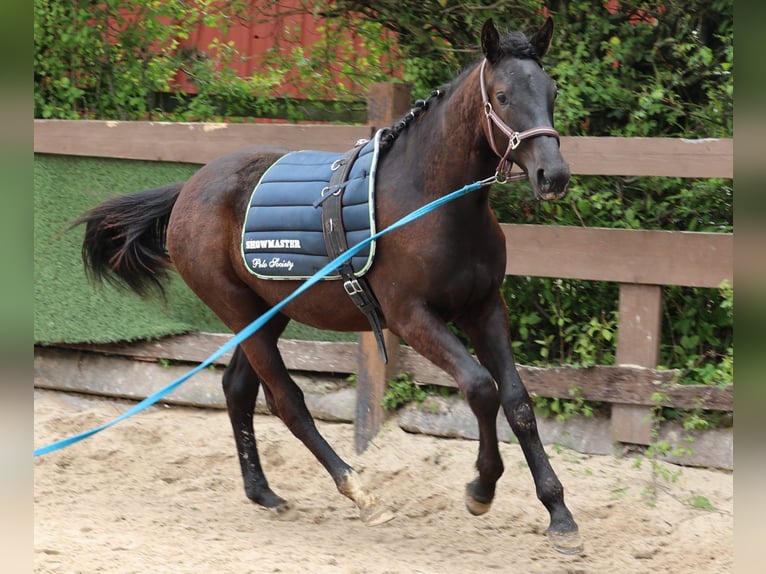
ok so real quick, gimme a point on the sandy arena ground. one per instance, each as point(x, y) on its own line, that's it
point(161, 493)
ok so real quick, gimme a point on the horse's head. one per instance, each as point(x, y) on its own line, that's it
point(518, 98)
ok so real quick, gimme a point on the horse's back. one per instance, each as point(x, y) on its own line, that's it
point(207, 216)
point(226, 182)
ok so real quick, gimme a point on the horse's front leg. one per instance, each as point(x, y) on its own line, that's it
point(490, 334)
point(432, 338)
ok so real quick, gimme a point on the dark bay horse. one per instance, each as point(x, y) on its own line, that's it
point(446, 267)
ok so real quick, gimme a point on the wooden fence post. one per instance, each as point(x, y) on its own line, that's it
point(638, 343)
point(386, 102)
point(371, 384)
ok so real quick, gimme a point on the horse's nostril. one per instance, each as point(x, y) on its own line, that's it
point(552, 184)
point(542, 179)
point(554, 177)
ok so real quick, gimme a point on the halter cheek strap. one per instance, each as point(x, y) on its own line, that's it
point(514, 138)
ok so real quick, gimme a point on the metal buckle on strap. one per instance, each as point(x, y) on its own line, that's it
point(352, 287)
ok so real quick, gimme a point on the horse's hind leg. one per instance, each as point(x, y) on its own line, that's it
point(240, 386)
point(214, 279)
point(287, 398)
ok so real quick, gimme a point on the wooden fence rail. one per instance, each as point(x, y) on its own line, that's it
point(202, 142)
point(624, 385)
point(640, 261)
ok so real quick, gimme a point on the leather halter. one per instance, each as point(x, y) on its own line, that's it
point(514, 138)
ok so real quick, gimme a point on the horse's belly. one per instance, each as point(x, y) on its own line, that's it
point(324, 305)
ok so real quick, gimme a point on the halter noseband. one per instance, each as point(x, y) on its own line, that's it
point(514, 138)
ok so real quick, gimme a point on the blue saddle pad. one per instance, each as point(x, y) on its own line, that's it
point(282, 233)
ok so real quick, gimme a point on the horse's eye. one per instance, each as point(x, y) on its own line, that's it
point(502, 99)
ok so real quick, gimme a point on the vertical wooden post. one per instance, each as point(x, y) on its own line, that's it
point(638, 343)
point(371, 384)
point(386, 102)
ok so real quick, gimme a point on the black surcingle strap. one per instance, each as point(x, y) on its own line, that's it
point(357, 288)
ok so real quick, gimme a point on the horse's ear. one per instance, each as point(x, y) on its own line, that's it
point(490, 42)
point(542, 38)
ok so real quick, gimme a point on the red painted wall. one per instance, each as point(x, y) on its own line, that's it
point(253, 38)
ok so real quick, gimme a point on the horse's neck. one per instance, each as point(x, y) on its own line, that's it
point(449, 139)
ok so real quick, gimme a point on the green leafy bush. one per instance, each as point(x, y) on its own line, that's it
point(403, 389)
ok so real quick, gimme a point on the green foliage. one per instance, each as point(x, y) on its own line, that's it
point(700, 502)
point(403, 389)
point(109, 59)
point(646, 70)
point(661, 473)
point(561, 321)
point(564, 409)
point(658, 449)
point(699, 338)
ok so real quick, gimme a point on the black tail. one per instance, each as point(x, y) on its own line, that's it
point(124, 242)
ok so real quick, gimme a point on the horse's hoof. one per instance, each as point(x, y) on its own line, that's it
point(376, 515)
point(567, 542)
point(474, 506)
point(285, 511)
point(275, 504)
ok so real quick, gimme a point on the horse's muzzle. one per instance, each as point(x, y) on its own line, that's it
point(552, 183)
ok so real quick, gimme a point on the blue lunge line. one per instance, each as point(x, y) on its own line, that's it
point(263, 319)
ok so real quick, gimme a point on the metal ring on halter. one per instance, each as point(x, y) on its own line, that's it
point(336, 164)
point(514, 140)
point(500, 177)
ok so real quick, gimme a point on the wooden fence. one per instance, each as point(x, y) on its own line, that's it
point(640, 261)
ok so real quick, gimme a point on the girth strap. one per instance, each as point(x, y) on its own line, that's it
point(358, 288)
